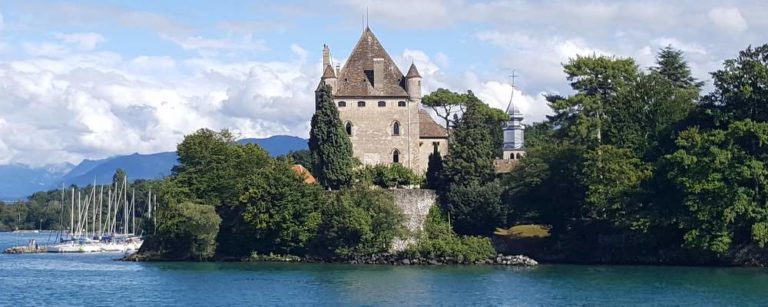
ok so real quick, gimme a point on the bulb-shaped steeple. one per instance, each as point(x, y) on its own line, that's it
point(514, 140)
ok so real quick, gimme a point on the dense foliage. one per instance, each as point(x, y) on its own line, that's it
point(331, 148)
point(386, 176)
point(187, 232)
point(637, 154)
point(357, 222)
point(439, 240)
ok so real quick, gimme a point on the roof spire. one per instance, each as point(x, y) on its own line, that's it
point(512, 109)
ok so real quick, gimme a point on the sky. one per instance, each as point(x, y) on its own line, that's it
point(93, 79)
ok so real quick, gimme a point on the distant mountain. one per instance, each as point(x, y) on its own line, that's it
point(18, 181)
point(279, 145)
point(137, 166)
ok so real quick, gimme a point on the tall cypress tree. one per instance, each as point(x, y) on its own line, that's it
point(435, 170)
point(330, 145)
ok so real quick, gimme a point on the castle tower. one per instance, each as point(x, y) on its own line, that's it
point(329, 75)
point(413, 82)
point(514, 142)
point(381, 108)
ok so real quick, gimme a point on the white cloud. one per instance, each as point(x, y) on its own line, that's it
point(84, 41)
point(662, 42)
point(212, 45)
point(728, 19)
point(65, 106)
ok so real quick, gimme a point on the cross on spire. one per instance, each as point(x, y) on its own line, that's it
point(512, 76)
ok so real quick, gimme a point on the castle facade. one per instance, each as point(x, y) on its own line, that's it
point(381, 108)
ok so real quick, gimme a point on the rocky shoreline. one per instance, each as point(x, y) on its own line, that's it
point(378, 259)
point(394, 259)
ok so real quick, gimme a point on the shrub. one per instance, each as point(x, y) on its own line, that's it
point(387, 176)
point(438, 240)
point(357, 222)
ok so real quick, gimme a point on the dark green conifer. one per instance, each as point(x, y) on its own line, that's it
point(329, 143)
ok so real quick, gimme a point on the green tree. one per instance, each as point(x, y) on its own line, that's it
point(475, 208)
point(741, 87)
point(471, 151)
point(302, 157)
point(446, 104)
point(357, 222)
point(185, 231)
point(282, 209)
point(724, 178)
point(613, 177)
point(439, 240)
point(597, 81)
point(671, 64)
point(119, 176)
point(434, 176)
point(387, 176)
point(213, 169)
point(329, 143)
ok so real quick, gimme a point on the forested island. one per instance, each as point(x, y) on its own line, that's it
point(636, 166)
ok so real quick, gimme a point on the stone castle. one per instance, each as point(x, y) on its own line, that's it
point(381, 108)
point(381, 111)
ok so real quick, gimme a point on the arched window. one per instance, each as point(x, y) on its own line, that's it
point(396, 156)
point(396, 128)
point(348, 127)
point(382, 103)
point(401, 103)
point(342, 104)
point(518, 156)
point(361, 103)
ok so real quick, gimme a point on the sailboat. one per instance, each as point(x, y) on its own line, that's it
point(103, 236)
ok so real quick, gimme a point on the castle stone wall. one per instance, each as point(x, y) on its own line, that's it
point(373, 141)
point(415, 205)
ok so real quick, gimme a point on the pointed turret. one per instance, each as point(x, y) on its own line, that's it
point(413, 82)
point(413, 72)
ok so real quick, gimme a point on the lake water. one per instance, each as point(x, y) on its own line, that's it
point(98, 280)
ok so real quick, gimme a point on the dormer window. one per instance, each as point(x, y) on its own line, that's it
point(361, 103)
point(401, 103)
point(382, 103)
point(342, 104)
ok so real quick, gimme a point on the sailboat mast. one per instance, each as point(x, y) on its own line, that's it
point(101, 206)
point(72, 214)
point(125, 205)
point(133, 211)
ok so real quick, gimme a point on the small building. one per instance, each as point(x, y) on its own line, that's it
point(304, 173)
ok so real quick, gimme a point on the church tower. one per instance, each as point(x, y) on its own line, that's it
point(514, 142)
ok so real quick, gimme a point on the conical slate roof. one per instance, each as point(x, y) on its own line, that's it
point(413, 72)
point(328, 72)
point(356, 77)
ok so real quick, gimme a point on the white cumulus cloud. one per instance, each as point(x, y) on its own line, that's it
point(84, 41)
point(728, 19)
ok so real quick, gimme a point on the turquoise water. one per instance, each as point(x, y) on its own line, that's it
point(98, 280)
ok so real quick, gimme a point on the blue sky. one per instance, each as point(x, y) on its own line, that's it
point(91, 79)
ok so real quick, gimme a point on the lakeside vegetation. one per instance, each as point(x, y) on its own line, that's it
point(637, 166)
